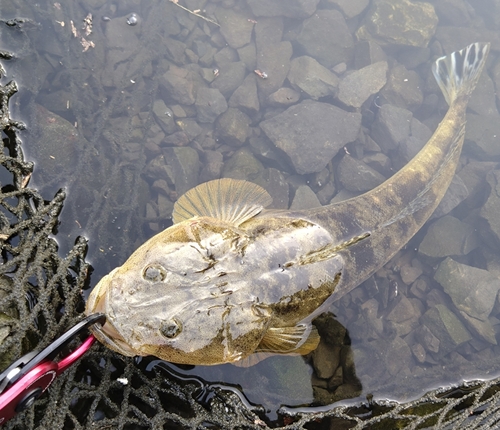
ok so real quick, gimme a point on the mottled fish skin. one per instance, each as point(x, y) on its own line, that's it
point(230, 281)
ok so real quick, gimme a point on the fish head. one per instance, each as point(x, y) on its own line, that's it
point(179, 297)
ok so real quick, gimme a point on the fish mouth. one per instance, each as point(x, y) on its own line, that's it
point(110, 337)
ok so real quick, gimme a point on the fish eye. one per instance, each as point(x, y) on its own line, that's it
point(154, 273)
point(170, 328)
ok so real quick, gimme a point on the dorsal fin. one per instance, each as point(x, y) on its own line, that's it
point(231, 200)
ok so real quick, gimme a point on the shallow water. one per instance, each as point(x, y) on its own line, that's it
point(109, 113)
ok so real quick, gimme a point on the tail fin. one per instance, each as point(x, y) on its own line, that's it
point(457, 74)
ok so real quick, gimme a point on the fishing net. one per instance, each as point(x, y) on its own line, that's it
point(43, 281)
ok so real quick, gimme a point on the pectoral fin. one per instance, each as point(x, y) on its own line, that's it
point(231, 200)
point(300, 339)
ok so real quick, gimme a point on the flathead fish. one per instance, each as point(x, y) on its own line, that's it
point(231, 281)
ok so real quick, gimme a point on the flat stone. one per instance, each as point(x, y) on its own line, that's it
point(483, 100)
point(307, 75)
point(231, 76)
point(403, 88)
point(212, 166)
point(235, 27)
point(399, 22)
point(326, 360)
point(304, 199)
point(391, 126)
point(326, 37)
point(210, 103)
point(402, 311)
point(185, 165)
point(368, 52)
point(397, 356)
point(283, 97)
point(409, 274)
point(245, 96)
point(350, 8)
point(472, 290)
point(233, 127)
point(356, 176)
point(273, 181)
point(427, 339)
point(448, 236)
point(242, 165)
point(483, 329)
point(446, 326)
point(358, 86)
point(490, 229)
point(418, 352)
point(178, 87)
point(482, 135)
point(274, 60)
point(294, 8)
point(164, 116)
point(456, 193)
point(311, 133)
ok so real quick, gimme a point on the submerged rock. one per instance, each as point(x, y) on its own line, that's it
point(292, 9)
point(233, 127)
point(304, 199)
point(355, 88)
point(472, 290)
point(391, 126)
point(490, 230)
point(307, 75)
point(311, 133)
point(399, 22)
point(356, 176)
point(210, 103)
point(326, 37)
point(235, 27)
point(448, 236)
point(482, 135)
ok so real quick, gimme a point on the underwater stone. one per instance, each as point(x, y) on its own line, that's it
point(233, 127)
point(245, 96)
point(356, 176)
point(448, 236)
point(235, 27)
point(284, 97)
point(210, 103)
point(242, 165)
point(307, 75)
point(304, 199)
point(178, 87)
point(274, 60)
point(391, 126)
point(293, 9)
point(326, 37)
point(446, 326)
point(399, 22)
point(185, 165)
point(311, 133)
point(482, 135)
point(472, 290)
point(403, 88)
point(231, 76)
point(490, 228)
point(350, 8)
point(358, 86)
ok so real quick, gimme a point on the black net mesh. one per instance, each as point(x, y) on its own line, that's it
point(104, 196)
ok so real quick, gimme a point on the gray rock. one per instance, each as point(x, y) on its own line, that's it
point(190, 127)
point(307, 75)
point(235, 27)
point(397, 356)
point(356, 176)
point(178, 138)
point(283, 97)
point(453, 12)
point(403, 88)
point(491, 209)
point(212, 166)
point(413, 56)
point(264, 150)
point(482, 135)
point(483, 329)
point(350, 8)
point(185, 165)
point(248, 54)
point(304, 199)
point(311, 133)
point(368, 52)
point(402, 311)
point(233, 127)
point(245, 96)
point(427, 339)
point(446, 327)
point(326, 37)
point(164, 116)
point(448, 236)
point(56, 146)
point(358, 86)
point(231, 76)
point(473, 291)
point(483, 99)
point(274, 60)
point(177, 86)
point(418, 352)
point(391, 126)
point(419, 136)
point(242, 165)
point(273, 181)
point(409, 274)
point(456, 193)
point(399, 22)
point(293, 8)
point(210, 103)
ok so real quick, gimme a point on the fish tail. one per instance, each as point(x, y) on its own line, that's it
point(457, 74)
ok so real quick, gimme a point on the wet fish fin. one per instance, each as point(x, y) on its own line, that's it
point(231, 200)
point(300, 339)
point(457, 74)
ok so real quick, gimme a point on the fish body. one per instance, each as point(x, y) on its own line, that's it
point(231, 281)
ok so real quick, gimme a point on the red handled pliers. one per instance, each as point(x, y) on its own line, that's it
point(28, 377)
